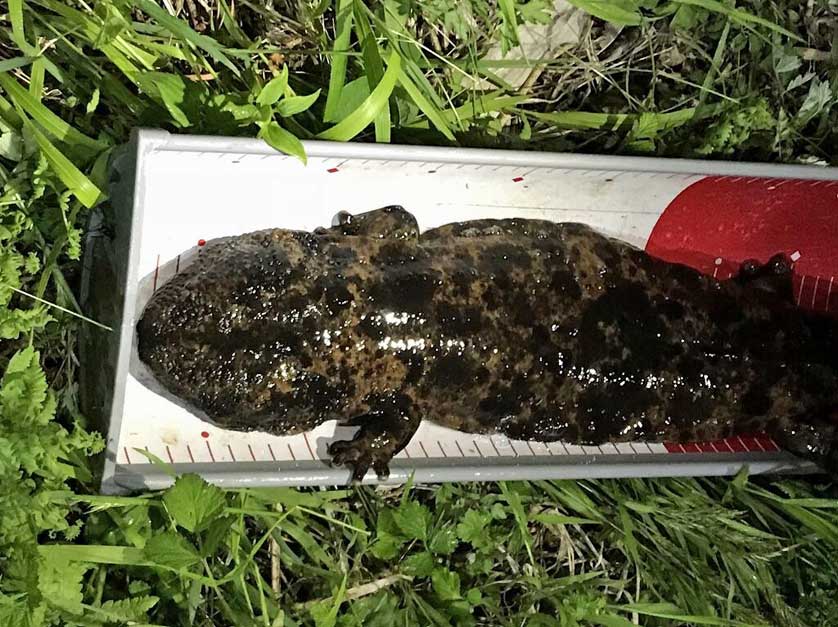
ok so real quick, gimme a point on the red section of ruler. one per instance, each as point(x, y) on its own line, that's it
point(740, 444)
point(719, 222)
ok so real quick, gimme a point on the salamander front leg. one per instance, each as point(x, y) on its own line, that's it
point(384, 431)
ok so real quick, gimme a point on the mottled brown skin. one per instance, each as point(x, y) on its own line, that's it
point(537, 330)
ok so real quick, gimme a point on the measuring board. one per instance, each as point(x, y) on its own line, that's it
point(173, 194)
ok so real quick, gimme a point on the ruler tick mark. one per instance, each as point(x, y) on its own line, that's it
point(177, 265)
point(815, 291)
point(308, 445)
point(290, 450)
point(492, 442)
point(800, 292)
point(442, 450)
point(828, 294)
point(209, 448)
point(422, 446)
point(252, 456)
point(459, 448)
point(169, 453)
point(156, 273)
point(479, 452)
point(127, 457)
point(232, 455)
point(189, 452)
point(271, 451)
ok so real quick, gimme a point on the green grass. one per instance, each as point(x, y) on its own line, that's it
point(700, 78)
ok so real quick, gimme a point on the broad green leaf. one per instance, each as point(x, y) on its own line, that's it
point(172, 550)
point(167, 89)
point(50, 122)
point(282, 140)
point(296, 104)
point(273, 89)
point(181, 29)
point(359, 119)
point(418, 564)
point(339, 59)
point(69, 174)
point(618, 12)
point(474, 527)
point(446, 584)
point(443, 541)
point(413, 519)
point(193, 503)
point(386, 546)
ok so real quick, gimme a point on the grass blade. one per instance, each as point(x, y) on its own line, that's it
point(70, 175)
point(374, 66)
point(426, 106)
point(50, 122)
point(337, 75)
point(618, 12)
point(672, 612)
point(96, 554)
point(18, 35)
point(737, 15)
point(169, 90)
point(509, 25)
point(182, 30)
point(359, 119)
point(7, 65)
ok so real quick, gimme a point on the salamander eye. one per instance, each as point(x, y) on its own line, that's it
point(342, 218)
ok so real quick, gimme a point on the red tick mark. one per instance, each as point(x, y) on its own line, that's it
point(202, 242)
point(204, 434)
point(518, 179)
point(332, 170)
